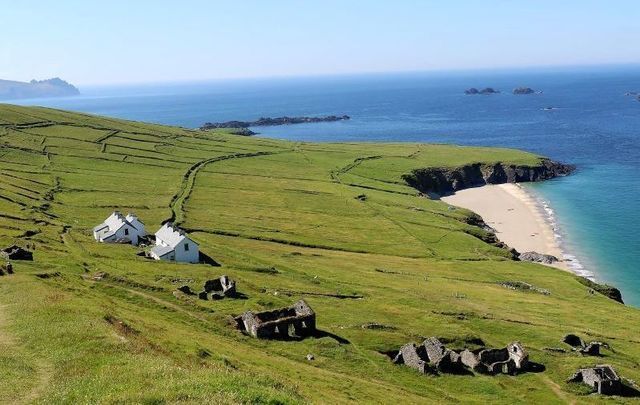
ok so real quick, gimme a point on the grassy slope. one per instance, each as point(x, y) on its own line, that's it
point(254, 204)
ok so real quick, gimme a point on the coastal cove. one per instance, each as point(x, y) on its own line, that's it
point(582, 117)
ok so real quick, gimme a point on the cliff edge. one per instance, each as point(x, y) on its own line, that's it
point(447, 180)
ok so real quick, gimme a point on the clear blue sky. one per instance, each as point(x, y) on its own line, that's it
point(100, 42)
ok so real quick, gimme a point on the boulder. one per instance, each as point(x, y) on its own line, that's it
point(537, 258)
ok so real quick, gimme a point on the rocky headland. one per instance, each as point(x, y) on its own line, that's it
point(447, 180)
point(269, 122)
point(56, 87)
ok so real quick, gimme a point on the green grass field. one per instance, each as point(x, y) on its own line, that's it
point(284, 220)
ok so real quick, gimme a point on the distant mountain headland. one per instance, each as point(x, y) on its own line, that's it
point(485, 91)
point(269, 122)
point(56, 87)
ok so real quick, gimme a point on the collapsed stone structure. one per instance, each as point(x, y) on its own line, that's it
point(15, 252)
point(220, 287)
point(298, 320)
point(433, 356)
point(580, 346)
point(603, 379)
point(215, 289)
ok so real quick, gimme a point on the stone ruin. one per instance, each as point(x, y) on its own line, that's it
point(215, 289)
point(6, 268)
point(296, 321)
point(16, 252)
point(603, 379)
point(432, 356)
point(578, 345)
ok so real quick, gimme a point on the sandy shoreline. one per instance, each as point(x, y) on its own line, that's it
point(515, 216)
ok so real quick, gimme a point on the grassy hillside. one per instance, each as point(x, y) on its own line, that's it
point(287, 221)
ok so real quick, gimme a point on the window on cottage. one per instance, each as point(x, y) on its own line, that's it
point(126, 231)
point(186, 247)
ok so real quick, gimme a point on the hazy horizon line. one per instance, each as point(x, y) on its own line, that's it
point(479, 70)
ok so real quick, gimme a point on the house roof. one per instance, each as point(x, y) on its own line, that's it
point(133, 218)
point(116, 220)
point(171, 235)
point(100, 227)
point(160, 251)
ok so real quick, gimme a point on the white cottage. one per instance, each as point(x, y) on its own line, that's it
point(173, 244)
point(118, 228)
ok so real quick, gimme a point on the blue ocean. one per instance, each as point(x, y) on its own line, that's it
point(582, 116)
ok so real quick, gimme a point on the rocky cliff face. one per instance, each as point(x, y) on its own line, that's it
point(448, 180)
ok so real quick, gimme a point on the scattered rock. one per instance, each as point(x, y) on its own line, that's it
point(310, 357)
point(537, 258)
point(267, 270)
point(99, 276)
point(374, 325)
point(298, 320)
point(603, 379)
point(15, 252)
point(522, 286)
point(555, 349)
point(48, 275)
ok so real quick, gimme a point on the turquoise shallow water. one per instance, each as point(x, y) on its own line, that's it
point(592, 124)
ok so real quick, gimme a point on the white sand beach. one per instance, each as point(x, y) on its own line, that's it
point(513, 213)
